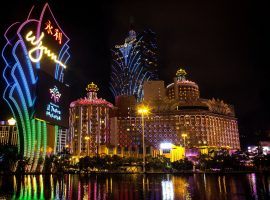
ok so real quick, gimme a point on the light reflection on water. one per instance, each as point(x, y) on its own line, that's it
point(135, 186)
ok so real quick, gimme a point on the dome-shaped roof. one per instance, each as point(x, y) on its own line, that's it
point(86, 101)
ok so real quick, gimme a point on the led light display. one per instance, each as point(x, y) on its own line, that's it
point(38, 50)
point(133, 63)
point(24, 55)
point(52, 100)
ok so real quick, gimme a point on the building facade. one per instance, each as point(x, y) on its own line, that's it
point(182, 118)
point(62, 139)
point(153, 90)
point(89, 124)
point(8, 134)
point(133, 63)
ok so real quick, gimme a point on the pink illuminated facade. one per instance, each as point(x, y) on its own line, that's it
point(89, 123)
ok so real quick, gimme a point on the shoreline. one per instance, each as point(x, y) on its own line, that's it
point(146, 173)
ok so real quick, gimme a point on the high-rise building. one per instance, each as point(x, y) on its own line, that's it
point(125, 104)
point(89, 123)
point(133, 63)
point(182, 118)
point(153, 90)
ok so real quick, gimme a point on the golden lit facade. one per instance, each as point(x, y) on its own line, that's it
point(173, 152)
point(203, 122)
point(8, 134)
point(89, 124)
point(183, 89)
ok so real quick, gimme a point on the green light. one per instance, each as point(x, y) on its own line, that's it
point(56, 128)
point(44, 139)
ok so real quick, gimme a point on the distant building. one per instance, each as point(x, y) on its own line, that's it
point(125, 104)
point(89, 124)
point(62, 140)
point(262, 148)
point(181, 117)
point(153, 90)
point(8, 134)
point(133, 63)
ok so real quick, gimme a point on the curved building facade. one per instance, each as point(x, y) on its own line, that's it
point(183, 89)
point(182, 118)
point(89, 123)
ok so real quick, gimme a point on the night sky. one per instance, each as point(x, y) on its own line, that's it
point(223, 45)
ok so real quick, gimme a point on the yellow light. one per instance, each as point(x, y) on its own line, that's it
point(38, 47)
point(87, 138)
point(11, 121)
point(184, 135)
point(143, 110)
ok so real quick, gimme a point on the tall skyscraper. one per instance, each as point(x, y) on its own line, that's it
point(133, 63)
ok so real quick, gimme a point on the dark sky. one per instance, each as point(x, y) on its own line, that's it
point(223, 45)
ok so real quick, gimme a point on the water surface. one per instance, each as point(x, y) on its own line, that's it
point(136, 186)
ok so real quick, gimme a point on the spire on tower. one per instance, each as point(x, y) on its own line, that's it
point(92, 91)
point(181, 74)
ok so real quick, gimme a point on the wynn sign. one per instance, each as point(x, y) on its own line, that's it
point(35, 56)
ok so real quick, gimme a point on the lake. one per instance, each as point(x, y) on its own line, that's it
point(136, 186)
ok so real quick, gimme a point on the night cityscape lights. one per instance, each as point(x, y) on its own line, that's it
point(133, 63)
point(11, 121)
point(130, 134)
point(55, 94)
point(39, 49)
point(143, 111)
point(89, 121)
point(22, 54)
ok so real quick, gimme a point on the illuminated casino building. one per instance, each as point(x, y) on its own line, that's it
point(133, 63)
point(35, 57)
point(181, 118)
point(89, 123)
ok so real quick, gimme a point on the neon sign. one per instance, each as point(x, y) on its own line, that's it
point(22, 55)
point(57, 33)
point(55, 94)
point(51, 106)
point(53, 111)
point(39, 47)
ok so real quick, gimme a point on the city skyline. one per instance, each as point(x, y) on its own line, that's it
point(218, 44)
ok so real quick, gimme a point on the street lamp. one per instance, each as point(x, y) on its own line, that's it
point(184, 135)
point(11, 121)
point(87, 138)
point(143, 110)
